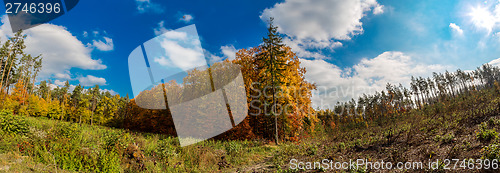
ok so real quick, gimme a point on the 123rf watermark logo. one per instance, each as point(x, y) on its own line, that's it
point(365, 164)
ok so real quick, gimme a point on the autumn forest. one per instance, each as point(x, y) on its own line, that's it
point(88, 129)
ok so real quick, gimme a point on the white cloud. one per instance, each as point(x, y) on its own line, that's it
point(62, 76)
point(176, 35)
point(163, 61)
point(320, 20)
point(497, 34)
point(368, 76)
point(61, 51)
point(110, 91)
point(59, 83)
point(106, 45)
point(144, 6)
point(180, 56)
point(169, 34)
point(160, 29)
point(379, 9)
point(495, 62)
point(318, 23)
point(456, 29)
point(300, 47)
point(181, 50)
point(211, 57)
point(52, 86)
point(186, 18)
point(229, 52)
point(90, 80)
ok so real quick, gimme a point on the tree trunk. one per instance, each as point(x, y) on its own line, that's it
point(274, 101)
point(5, 69)
point(93, 111)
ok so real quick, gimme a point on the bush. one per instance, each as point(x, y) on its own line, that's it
point(115, 140)
point(13, 124)
point(232, 147)
point(446, 139)
point(485, 134)
point(312, 150)
point(165, 149)
point(491, 152)
point(109, 162)
point(67, 130)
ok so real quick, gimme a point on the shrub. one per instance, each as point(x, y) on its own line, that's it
point(67, 130)
point(446, 139)
point(165, 149)
point(109, 162)
point(491, 152)
point(485, 134)
point(115, 140)
point(312, 150)
point(233, 147)
point(13, 124)
point(493, 122)
point(341, 146)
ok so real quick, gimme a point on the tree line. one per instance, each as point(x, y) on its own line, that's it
point(396, 99)
point(270, 64)
point(20, 93)
point(278, 96)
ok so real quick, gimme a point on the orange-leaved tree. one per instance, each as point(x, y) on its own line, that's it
point(292, 97)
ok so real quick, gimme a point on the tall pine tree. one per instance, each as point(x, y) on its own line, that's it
point(273, 65)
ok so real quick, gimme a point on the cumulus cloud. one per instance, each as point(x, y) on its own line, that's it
point(144, 6)
point(160, 29)
point(456, 29)
point(301, 47)
point(176, 35)
point(180, 51)
point(65, 76)
point(229, 52)
point(61, 51)
point(180, 56)
point(317, 23)
point(58, 83)
point(186, 18)
point(368, 76)
point(495, 62)
point(320, 20)
point(106, 45)
point(379, 9)
point(212, 58)
point(112, 92)
point(90, 80)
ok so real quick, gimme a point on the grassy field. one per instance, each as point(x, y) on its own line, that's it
point(42, 145)
point(462, 128)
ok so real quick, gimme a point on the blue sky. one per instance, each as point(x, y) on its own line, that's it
point(348, 47)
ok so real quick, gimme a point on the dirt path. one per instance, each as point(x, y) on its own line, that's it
point(262, 166)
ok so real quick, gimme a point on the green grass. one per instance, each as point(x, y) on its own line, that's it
point(47, 145)
point(464, 127)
